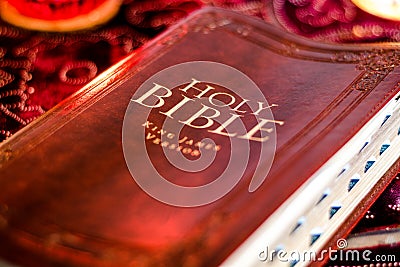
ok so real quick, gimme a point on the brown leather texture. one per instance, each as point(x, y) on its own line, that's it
point(71, 201)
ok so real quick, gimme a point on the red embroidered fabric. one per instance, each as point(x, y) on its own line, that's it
point(333, 21)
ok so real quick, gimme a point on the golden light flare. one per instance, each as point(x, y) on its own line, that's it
point(388, 9)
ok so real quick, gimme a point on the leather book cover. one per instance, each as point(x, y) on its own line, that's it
point(181, 153)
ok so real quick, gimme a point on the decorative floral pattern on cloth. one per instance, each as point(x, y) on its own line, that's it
point(333, 21)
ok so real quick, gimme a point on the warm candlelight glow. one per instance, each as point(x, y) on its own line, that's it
point(388, 9)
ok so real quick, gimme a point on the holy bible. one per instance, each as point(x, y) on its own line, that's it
point(224, 141)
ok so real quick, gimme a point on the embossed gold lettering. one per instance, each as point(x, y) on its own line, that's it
point(191, 85)
point(259, 128)
point(176, 107)
point(201, 114)
point(224, 125)
point(152, 92)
